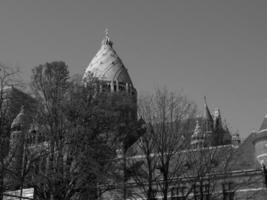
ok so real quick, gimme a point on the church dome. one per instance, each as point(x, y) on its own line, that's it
point(107, 65)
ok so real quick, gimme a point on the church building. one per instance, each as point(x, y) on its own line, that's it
point(210, 132)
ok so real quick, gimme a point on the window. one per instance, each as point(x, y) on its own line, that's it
point(121, 87)
point(178, 193)
point(115, 86)
point(228, 192)
point(105, 87)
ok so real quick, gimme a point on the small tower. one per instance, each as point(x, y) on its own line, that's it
point(260, 143)
point(19, 128)
point(218, 133)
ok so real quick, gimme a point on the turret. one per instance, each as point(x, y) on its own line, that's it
point(19, 128)
point(198, 138)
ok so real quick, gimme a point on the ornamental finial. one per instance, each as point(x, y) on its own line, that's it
point(106, 33)
point(106, 40)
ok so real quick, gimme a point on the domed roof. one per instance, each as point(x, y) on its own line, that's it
point(106, 65)
point(21, 119)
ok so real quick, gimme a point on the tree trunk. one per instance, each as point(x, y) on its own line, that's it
point(1, 186)
point(124, 176)
point(165, 187)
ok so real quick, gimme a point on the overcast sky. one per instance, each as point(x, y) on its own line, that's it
point(212, 48)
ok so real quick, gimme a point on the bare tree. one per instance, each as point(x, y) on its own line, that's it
point(169, 116)
point(206, 169)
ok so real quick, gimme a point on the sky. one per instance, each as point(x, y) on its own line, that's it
point(204, 48)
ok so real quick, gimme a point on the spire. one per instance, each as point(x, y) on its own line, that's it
point(264, 125)
point(106, 40)
point(207, 116)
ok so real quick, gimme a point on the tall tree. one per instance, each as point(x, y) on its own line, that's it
point(50, 83)
point(90, 141)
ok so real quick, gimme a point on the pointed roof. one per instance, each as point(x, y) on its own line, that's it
point(264, 125)
point(207, 114)
point(244, 155)
point(107, 65)
point(218, 119)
